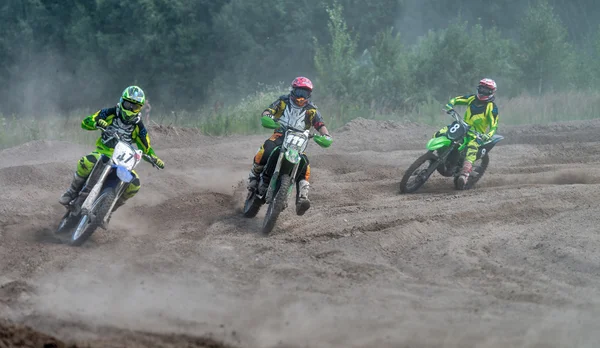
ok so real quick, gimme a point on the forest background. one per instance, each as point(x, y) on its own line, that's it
point(216, 64)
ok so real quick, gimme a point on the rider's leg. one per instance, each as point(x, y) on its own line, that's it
point(131, 190)
point(472, 149)
point(302, 187)
point(260, 159)
point(84, 167)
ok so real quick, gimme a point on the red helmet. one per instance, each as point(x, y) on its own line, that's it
point(301, 90)
point(486, 89)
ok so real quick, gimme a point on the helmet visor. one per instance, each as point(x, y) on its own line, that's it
point(484, 90)
point(301, 93)
point(133, 107)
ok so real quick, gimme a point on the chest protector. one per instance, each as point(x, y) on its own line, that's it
point(294, 116)
point(124, 129)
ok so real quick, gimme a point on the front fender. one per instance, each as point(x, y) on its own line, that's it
point(438, 143)
point(292, 156)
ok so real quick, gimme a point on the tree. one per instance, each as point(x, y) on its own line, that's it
point(336, 63)
point(544, 57)
point(389, 81)
point(453, 60)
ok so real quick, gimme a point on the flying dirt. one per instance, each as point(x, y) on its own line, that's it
point(514, 262)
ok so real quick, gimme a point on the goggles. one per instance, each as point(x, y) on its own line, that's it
point(129, 106)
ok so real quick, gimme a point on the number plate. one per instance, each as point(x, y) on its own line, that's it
point(455, 131)
point(295, 140)
point(124, 155)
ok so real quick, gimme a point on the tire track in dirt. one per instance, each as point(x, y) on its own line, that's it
point(510, 263)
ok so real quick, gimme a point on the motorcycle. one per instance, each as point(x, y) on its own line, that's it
point(446, 154)
point(108, 180)
point(282, 167)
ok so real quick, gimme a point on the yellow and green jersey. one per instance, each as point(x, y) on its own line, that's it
point(481, 115)
point(132, 132)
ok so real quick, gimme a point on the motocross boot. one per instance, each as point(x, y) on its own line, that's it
point(302, 202)
point(254, 177)
point(73, 190)
point(464, 174)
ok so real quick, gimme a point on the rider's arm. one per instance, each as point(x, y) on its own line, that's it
point(317, 122)
point(460, 100)
point(276, 108)
point(323, 131)
point(142, 140)
point(492, 115)
point(89, 123)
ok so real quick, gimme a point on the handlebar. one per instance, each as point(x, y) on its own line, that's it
point(152, 160)
point(456, 116)
point(149, 158)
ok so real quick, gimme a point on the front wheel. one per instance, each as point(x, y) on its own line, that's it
point(252, 204)
point(278, 204)
point(88, 223)
point(417, 174)
point(67, 223)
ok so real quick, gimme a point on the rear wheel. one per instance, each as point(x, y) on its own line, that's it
point(88, 223)
point(417, 174)
point(278, 204)
point(479, 168)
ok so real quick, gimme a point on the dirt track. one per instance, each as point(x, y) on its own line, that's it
point(513, 263)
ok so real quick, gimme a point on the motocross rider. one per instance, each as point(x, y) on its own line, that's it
point(296, 110)
point(124, 117)
point(481, 115)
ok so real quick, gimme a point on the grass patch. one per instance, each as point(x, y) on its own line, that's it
point(243, 117)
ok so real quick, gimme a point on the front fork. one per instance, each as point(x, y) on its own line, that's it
point(90, 194)
point(273, 183)
point(119, 190)
point(441, 159)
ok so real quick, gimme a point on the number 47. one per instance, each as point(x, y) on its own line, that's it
point(121, 157)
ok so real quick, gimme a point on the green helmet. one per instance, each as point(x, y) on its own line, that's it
point(131, 103)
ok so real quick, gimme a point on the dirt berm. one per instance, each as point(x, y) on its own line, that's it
point(512, 263)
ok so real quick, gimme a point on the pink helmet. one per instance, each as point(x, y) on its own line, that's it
point(302, 82)
point(486, 89)
point(301, 90)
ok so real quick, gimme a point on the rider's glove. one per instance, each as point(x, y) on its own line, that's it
point(449, 110)
point(485, 138)
point(159, 163)
point(101, 123)
point(268, 114)
point(482, 138)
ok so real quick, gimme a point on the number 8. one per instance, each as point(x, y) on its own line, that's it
point(454, 128)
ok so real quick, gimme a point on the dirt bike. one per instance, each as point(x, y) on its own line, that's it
point(446, 154)
point(282, 167)
point(108, 180)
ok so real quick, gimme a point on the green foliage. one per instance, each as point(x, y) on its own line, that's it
point(335, 63)
point(242, 117)
point(196, 60)
point(389, 81)
point(16, 130)
point(545, 57)
point(453, 60)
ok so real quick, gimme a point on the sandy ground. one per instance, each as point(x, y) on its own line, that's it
point(513, 263)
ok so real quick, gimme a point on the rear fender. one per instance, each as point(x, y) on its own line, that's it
point(438, 143)
point(488, 146)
